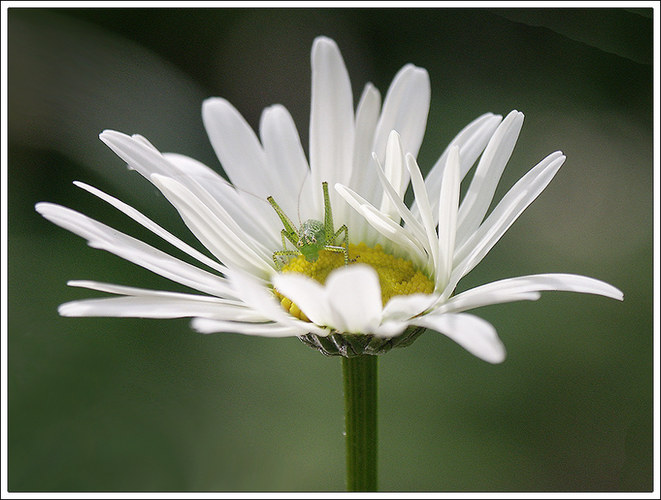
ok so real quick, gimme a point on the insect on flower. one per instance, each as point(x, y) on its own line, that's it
point(405, 275)
point(313, 236)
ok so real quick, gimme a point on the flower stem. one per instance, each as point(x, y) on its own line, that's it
point(360, 397)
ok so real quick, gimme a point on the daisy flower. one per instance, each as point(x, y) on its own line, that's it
point(387, 276)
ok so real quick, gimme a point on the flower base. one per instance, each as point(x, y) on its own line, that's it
point(352, 345)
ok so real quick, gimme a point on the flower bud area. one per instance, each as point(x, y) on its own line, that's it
point(397, 276)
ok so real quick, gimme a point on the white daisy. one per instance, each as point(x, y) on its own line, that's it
point(404, 262)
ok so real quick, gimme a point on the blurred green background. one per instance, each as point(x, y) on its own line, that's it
point(144, 405)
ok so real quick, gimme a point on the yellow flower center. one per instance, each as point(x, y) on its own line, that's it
point(397, 276)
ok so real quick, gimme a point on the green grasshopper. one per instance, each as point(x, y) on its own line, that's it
point(313, 236)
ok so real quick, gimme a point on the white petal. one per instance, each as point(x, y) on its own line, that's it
point(363, 179)
point(216, 230)
point(447, 218)
point(460, 303)
point(144, 292)
point(308, 295)
point(396, 174)
point(367, 114)
point(359, 230)
point(354, 294)
point(237, 147)
point(156, 307)
point(106, 238)
point(384, 225)
point(331, 124)
point(403, 212)
point(405, 109)
point(474, 334)
point(254, 215)
point(390, 329)
point(518, 198)
point(137, 152)
point(152, 226)
point(286, 157)
point(405, 307)
point(474, 138)
point(519, 288)
point(137, 138)
point(399, 236)
point(424, 207)
point(478, 197)
point(204, 325)
point(257, 295)
point(144, 158)
point(482, 241)
point(471, 141)
point(186, 167)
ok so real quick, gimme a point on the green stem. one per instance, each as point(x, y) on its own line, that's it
point(360, 397)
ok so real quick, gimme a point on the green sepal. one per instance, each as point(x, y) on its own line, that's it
point(352, 345)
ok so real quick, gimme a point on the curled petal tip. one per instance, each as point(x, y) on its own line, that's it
point(109, 133)
point(393, 135)
point(323, 39)
point(44, 208)
point(68, 310)
point(214, 102)
point(323, 43)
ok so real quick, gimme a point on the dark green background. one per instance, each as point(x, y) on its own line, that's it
point(123, 404)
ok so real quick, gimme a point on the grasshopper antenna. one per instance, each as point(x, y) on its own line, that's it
point(298, 199)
